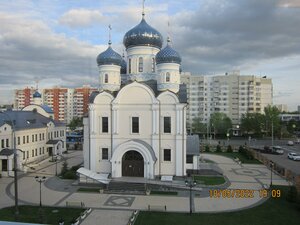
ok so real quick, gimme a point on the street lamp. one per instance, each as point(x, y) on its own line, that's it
point(15, 163)
point(271, 166)
point(190, 184)
point(40, 180)
point(56, 156)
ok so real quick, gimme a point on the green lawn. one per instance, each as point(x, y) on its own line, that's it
point(275, 211)
point(31, 214)
point(238, 155)
point(210, 180)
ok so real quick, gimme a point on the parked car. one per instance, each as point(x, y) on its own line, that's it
point(277, 150)
point(297, 141)
point(294, 156)
point(290, 143)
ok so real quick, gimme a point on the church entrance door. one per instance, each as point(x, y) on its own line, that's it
point(132, 164)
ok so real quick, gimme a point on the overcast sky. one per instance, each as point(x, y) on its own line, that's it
point(57, 42)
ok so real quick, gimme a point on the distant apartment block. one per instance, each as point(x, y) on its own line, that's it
point(66, 103)
point(232, 94)
point(282, 107)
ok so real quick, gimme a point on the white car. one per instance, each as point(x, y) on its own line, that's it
point(277, 150)
point(294, 156)
point(290, 143)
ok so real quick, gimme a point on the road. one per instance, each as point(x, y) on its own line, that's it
point(281, 160)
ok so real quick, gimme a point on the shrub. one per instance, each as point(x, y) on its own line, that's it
point(218, 148)
point(206, 148)
point(70, 175)
point(75, 168)
point(64, 168)
point(229, 149)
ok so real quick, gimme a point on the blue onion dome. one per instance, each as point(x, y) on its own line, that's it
point(143, 35)
point(168, 55)
point(36, 94)
point(109, 57)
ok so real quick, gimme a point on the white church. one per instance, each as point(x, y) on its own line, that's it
point(136, 125)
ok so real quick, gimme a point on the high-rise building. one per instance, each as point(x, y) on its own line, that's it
point(282, 107)
point(23, 97)
point(66, 103)
point(232, 94)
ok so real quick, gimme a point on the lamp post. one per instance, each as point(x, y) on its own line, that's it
point(271, 166)
point(15, 163)
point(190, 184)
point(40, 180)
point(56, 156)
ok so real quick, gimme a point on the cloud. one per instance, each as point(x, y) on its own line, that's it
point(30, 50)
point(82, 18)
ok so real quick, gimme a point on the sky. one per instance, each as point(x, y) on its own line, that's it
point(56, 42)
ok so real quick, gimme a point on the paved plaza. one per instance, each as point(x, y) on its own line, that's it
point(56, 192)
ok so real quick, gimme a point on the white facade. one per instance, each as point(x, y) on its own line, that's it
point(137, 126)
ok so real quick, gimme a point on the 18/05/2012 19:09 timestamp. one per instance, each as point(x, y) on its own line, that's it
point(244, 193)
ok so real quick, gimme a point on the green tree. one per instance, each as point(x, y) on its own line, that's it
point(220, 123)
point(75, 122)
point(272, 120)
point(252, 123)
point(198, 126)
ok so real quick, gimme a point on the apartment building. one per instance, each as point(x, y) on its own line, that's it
point(66, 103)
point(232, 94)
point(23, 97)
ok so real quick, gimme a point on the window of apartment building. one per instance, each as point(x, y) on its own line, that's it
point(135, 125)
point(167, 77)
point(23, 155)
point(104, 124)
point(23, 139)
point(43, 150)
point(40, 135)
point(32, 153)
point(129, 66)
point(36, 137)
point(167, 155)
point(19, 140)
point(32, 138)
point(43, 136)
point(27, 137)
point(36, 152)
point(167, 124)
point(7, 143)
point(27, 153)
point(140, 64)
point(104, 153)
point(40, 151)
point(2, 143)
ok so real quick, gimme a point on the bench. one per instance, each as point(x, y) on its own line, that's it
point(157, 208)
point(75, 204)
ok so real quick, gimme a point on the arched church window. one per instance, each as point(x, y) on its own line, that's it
point(106, 78)
point(140, 64)
point(167, 77)
point(153, 65)
point(129, 66)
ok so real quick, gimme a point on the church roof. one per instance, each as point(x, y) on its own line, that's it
point(182, 93)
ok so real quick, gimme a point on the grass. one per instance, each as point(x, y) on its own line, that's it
point(238, 155)
point(275, 211)
point(91, 190)
point(210, 180)
point(32, 214)
point(173, 193)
